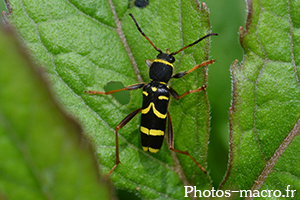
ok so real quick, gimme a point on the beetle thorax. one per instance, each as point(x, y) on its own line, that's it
point(161, 69)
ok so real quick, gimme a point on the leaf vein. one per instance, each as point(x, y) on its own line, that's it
point(271, 163)
point(125, 43)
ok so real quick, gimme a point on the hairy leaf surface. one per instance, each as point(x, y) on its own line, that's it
point(265, 112)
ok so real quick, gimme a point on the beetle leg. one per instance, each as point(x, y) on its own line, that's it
point(176, 95)
point(130, 87)
point(120, 125)
point(181, 74)
point(171, 144)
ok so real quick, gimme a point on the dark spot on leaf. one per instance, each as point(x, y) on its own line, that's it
point(122, 97)
point(141, 3)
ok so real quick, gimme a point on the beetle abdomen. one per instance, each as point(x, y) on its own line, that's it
point(154, 114)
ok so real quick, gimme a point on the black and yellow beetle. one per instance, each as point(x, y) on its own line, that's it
point(156, 98)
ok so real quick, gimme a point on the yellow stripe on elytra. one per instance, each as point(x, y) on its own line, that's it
point(156, 132)
point(156, 112)
point(145, 148)
point(154, 89)
point(151, 150)
point(163, 61)
point(145, 130)
point(145, 93)
point(152, 132)
point(163, 98)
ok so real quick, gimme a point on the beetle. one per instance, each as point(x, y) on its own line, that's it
point(156, 98)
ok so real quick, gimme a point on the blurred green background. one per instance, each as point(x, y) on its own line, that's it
point(2, 6)
point(226, 17)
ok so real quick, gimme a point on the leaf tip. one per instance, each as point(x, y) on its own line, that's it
point(4, 15)
point(234, 65)
point(241, 30)
point(242, 33)
point(204, 7)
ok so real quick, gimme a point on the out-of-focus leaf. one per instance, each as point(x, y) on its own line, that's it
point(43, 152)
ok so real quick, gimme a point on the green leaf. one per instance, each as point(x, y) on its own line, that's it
point(43, 152)
point(82, 46)
point(265, 111)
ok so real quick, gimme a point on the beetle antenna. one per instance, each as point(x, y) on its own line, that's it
point(138, 27)
point(174, 53)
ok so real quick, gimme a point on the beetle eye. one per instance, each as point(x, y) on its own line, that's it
point(172, 59)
